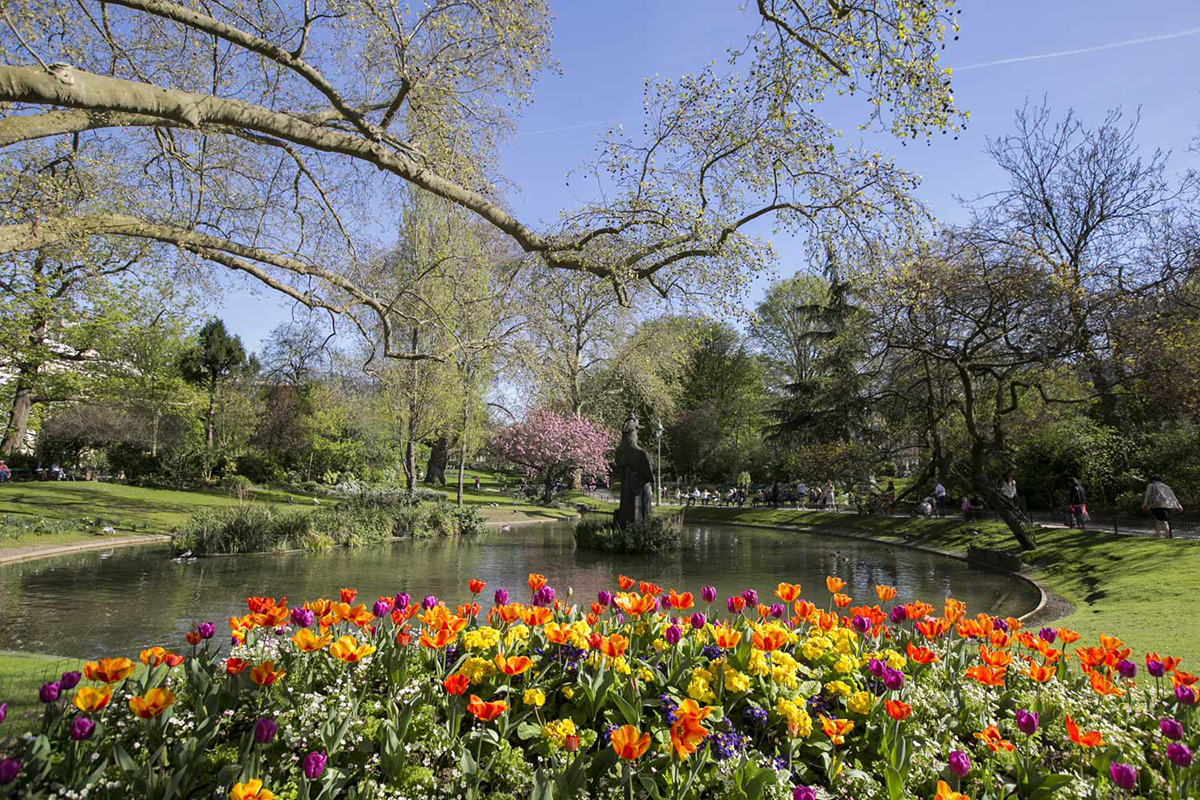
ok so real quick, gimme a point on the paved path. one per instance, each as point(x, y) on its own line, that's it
point(30, 552)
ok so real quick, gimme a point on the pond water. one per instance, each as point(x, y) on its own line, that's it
point(87, 606)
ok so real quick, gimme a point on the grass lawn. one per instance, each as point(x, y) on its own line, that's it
point(20, 676)
point(94, 505)
point(495, 498)
point(1133, 587)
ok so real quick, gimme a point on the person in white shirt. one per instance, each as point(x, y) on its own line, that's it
point(939, 495)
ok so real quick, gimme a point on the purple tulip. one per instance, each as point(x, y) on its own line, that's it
point(303, 617)
point(402, 600)
point(1123, 775)
point(206, 630)
point(751, 597)
point(501, 597)
point(893, 679)
point(314, 764)
point(960, 763)
point(776, 610)
point(429, 602)
point(82, 727)
point(860, 623)
point(3, 711)
point(699, 620)
point(1179, 754)
point(1185, 695)
point(49, 692)
point(729, 604)
point(708, 593)
point(673, 635)
point(1156, 668)
point(381, 608)
point(999, 624)
point(543, 596)
point(1171, 728)
point(1127, 668)
point(897, 615)
point(1048, 635)
point(1027, 721)
point(9, 769)
point(264, 730)
point(69, 680)
point(804, 793)
point(876, 668)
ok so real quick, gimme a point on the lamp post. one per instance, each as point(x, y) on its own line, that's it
point(658, 432)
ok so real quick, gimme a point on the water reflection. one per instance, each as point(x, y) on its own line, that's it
point(84, 605)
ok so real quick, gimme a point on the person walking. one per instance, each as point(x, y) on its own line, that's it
point(1008, 488)
point(1160, 502)
point(1077, 513)
point(939, 497)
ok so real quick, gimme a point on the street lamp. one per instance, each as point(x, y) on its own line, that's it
point(658, 432)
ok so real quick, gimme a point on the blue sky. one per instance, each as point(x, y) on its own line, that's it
point(605, 50)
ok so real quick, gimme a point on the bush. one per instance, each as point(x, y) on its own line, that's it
point(658, 534)
point(367, 519)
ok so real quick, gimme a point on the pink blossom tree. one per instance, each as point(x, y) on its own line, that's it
point(550, 446)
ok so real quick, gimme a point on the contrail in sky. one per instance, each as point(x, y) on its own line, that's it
point(1162, 37)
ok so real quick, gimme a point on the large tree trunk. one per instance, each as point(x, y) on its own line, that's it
point(983, 486)
point(18, 418)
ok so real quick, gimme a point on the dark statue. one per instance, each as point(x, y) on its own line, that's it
point(637, 477)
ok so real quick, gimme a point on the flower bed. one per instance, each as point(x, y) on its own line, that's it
point(643, 692)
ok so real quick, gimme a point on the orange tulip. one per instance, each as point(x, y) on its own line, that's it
point(652, 589)
point(349, 650)
point(456, 684)
point(271, 618)
point(1041, 673)
point(994, 741)
point(513, 665)
point(152, 703)
point(726, 637)
point(152, 657)
point(634, 604)
point(787, 592)
point(917, 610)
point(836, 729)
point(250, 790)
point(686, 735)
point(309, 642)
point(403, 637)
point(108, 670)
point(319, 607)
point(833, 584)
point(954, 610)
point(536, 581)
point(347, 595)
point(558, 634)
point(804, 609)
point(1087, 739)
point(476, 586)
point(535, 615)
point(485, 712)
point(625, 582)
point(1103, 685)
point(193, 638)
point(1182, 678)
point(438, 639)
point(774, 640)
point(944, 792)
point(628, 744)
point(614, 646)
point(1067, 636)
point(897, 710)
point(999, 640)
point(994, 658)
point(885, 593)
point(988, 676)
point(680, 602)
point(933, 627)
point(235, 666)
point(841, 600)
point(265, 674)
point(258, 605)
point(921, 655)
point(89, 700)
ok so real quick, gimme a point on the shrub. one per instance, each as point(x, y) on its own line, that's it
point(658, 534)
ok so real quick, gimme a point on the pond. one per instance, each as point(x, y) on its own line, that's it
point(87, 605)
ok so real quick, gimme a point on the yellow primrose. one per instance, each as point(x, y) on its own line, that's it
point(477, 669)
point(558, 731)
point(517, 633)
point(736, 681)
point(758, 663)
point(860, 702)
point(844, 664)
point(534, 697)
point(837, 688)
point(481, 638)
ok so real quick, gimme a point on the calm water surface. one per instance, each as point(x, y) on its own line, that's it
point(86, 606)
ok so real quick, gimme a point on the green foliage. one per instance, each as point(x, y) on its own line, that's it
point(658, 534)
